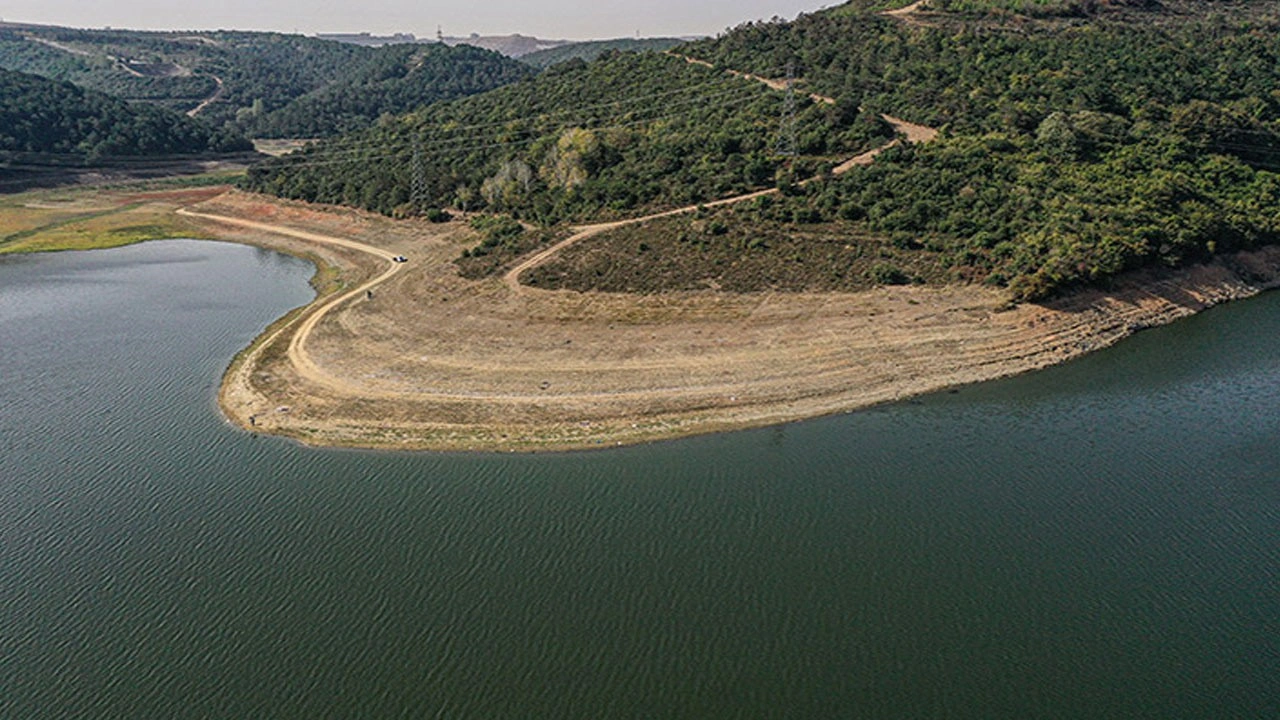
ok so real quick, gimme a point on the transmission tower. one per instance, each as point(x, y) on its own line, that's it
point(418, 188)
point(787, 134)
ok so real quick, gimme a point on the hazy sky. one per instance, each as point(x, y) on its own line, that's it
point(577, 19)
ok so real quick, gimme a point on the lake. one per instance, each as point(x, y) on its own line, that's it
point(1098, 540)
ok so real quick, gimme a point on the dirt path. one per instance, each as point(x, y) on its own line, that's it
point(905, 10)
point(209, 100)
point(59, 46)
point(306, 323)
point(512, 277)
point(304, 326)
point(773, 83)
point(907, 13)
point(914, 133)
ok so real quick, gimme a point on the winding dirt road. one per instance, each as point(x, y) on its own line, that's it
point(344, 383)
point(912, 132)
point(512, 278)
point(304, 325)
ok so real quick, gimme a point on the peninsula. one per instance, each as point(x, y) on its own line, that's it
point(794, 219)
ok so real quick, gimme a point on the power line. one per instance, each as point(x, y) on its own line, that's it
point(418, 191)
point(399, 145)
point(787, 136)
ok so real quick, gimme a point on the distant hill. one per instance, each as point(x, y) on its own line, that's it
point(394, 80)
point(47, 117)
point(591, 50)
point(369, 39)
point(247, 80)
point(262, 70)
point(536, 52)
point(515, 45)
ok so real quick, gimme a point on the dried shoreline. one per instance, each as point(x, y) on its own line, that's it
point(434, 362)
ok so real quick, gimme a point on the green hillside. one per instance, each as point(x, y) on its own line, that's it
point(179, 93)
point(1079, 140)
point(337, 87)
point(1076, 147)
point(395, 80)
point(627, 134)
point(46, 117)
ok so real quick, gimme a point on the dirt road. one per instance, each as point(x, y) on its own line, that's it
point(908, 13)
point(59, 46)
point(304, 324)
point(204, 104)
point(912, 132)
point(512, 277)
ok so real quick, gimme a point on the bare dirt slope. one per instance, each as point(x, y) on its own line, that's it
point(436, 361)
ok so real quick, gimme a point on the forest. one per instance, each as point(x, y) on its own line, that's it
point(1079, 141)
point(1073, 150)
point(177, 93)
point(58, 119)
point(394, 80)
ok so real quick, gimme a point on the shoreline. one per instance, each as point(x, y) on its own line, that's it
point(451, 405)
point(412, 356)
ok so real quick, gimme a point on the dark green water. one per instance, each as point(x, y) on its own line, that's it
point(1098, 540)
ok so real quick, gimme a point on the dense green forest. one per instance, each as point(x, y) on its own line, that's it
point(274, 85)
point(591, 50)
point(58, 119)
point(1075, 149)
point(625, 134)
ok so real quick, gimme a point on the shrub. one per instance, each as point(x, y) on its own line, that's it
point(884, 273)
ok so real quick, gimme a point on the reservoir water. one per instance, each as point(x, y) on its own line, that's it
point(1099, 540)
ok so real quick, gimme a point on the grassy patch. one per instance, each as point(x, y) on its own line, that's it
point(92, 219)
point(114, 228)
